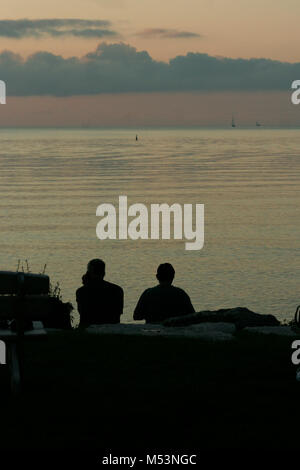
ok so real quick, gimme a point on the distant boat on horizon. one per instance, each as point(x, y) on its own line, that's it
point(258, 124)
point(233, 122)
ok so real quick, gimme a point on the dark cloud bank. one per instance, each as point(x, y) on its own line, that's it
point(162, 33)
point(117, 68)
point(18, 29)
point(57, 27)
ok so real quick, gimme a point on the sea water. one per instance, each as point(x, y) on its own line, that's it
point(53, 180)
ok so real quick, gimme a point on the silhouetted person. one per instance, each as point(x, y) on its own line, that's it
point(98, 301)
point(164, 300)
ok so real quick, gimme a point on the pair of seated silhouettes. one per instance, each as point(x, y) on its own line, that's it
point(102, 302)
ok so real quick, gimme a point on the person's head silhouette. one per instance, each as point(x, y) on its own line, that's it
point(96, 269)
point(165, 274)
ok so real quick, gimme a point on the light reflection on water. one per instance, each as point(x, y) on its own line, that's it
point(53, 180)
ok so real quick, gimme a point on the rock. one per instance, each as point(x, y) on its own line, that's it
point(240, 316)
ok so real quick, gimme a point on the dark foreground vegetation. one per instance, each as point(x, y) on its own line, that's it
point(88, 392)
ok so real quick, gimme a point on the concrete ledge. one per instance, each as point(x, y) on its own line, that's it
point(272, 330)
point(204, 331)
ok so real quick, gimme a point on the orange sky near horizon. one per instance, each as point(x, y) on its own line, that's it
point(138, 110)
point(260, 28)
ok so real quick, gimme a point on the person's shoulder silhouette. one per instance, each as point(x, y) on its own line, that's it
point(163, 301)
point(98, 301)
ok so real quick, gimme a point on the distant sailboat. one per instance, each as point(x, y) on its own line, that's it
point(233, 122)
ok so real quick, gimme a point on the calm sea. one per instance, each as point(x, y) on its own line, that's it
point(249, 180)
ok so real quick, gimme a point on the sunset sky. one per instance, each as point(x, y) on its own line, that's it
point(106, 39)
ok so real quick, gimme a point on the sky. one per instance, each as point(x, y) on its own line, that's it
point(204, 59)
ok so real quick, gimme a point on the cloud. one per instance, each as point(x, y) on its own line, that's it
point(167, 33)
point(120, 68)
point(55, 27)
